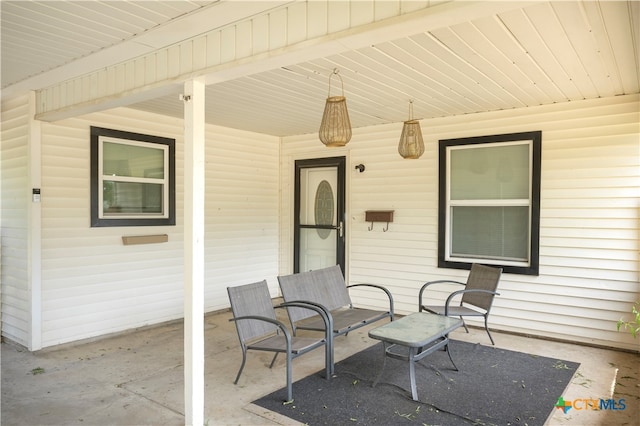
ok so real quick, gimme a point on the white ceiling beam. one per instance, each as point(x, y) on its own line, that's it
point(223, 64)
point(216, 15)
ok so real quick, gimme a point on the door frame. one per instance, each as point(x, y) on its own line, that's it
point(340, 163)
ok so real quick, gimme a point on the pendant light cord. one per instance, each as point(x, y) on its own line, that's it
point(336, 72)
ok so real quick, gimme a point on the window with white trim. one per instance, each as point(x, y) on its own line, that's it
point(489, 205)
point(132, 179)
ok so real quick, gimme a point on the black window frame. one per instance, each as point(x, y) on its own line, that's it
point(443, 175)
point(96, 221)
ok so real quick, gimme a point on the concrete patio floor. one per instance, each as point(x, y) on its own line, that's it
point(136, 378)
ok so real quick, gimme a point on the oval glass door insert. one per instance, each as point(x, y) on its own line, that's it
point(323, 208)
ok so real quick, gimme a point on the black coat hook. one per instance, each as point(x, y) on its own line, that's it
point(360, 168)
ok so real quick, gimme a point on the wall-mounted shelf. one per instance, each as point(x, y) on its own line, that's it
point(379, 216)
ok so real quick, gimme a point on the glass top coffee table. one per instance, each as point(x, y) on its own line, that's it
point(412, 338)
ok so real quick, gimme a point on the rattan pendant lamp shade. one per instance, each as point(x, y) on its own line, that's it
point(335, 129)
point(411, 144)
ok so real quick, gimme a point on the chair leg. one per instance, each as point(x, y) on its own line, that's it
point(244, 359)
point(289, 378)
point(464, 324)
point(327, 360)
point(273, 361)
point(486, 327)
point(330, 349)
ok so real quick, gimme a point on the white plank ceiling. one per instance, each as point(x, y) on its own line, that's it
point(540, 53)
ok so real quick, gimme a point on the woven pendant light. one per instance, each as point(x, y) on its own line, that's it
point(335, 129)
point(411, 144)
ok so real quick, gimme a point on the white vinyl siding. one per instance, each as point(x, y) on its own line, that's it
point(14, 178)
point(589, 241)
point(241, 212)
point(93, 284)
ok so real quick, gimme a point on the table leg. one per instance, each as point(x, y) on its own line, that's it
point(384, 362)
point(412, 373)
point(446, 348)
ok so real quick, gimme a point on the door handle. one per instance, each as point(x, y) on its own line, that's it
point(341, 229)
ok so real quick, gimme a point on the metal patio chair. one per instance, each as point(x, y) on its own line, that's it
point(258, 329)
point(477, 295)
point(326, 289)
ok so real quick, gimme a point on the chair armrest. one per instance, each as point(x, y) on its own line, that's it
point(280, 325)
point(456, 293)
point(321, 310)
point(424, 287)
point(387, 292)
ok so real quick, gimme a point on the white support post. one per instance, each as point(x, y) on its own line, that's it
point(194, 252)
point(35, 228)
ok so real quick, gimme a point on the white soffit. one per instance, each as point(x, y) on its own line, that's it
point(451, 58)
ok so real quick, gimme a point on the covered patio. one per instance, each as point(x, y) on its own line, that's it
point(136, 378)
point(239, 87)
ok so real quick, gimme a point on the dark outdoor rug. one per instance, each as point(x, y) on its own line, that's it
point(493, 387)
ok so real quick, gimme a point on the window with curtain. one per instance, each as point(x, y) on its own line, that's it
point(132, 179)
point(489, 210)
